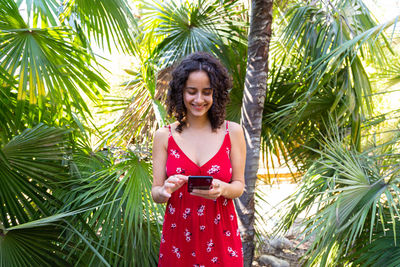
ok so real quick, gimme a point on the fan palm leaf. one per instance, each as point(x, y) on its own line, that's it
point(186, 27)
point(51, 68)
point(31, 164)
point(33, 173)
point(352, 193)
point(382, 251)
point(318, 72)
point(108, 21)
point(128, 221)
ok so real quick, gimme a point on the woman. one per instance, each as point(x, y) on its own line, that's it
point(200, 228)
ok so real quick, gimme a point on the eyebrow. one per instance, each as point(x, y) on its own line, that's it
point(207, 88)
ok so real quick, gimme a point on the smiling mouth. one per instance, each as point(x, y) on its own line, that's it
point(199, 106)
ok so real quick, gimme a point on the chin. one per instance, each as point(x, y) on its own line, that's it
point(200, 113)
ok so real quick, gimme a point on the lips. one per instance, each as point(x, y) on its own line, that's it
point(198, 107)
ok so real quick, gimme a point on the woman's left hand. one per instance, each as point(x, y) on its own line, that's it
point(215, 192)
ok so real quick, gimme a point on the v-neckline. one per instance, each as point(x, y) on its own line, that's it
point(223, 142)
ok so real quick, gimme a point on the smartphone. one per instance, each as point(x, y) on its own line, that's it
point(199, 182)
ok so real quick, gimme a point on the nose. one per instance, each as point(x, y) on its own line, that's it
point(199, 98)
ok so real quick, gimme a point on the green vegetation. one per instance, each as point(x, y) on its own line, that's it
point(64, 203)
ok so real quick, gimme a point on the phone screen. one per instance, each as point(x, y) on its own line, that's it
point(199, 182)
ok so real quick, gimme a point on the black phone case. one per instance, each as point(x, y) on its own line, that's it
point(199, 182)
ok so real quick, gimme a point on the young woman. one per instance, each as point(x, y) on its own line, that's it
point(200, 228)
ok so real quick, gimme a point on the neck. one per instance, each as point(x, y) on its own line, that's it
point(198, 123)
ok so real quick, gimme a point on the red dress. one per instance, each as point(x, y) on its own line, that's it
point(199, 231)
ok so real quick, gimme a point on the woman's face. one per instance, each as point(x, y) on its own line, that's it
point(197, 94)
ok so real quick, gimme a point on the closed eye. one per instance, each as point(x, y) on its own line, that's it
point(207, 92)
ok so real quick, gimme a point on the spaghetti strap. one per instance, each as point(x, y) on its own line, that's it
point(227, 129)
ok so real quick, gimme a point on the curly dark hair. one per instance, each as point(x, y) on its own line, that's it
point(220, 82)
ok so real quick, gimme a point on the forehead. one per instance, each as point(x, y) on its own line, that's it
point(198, 79)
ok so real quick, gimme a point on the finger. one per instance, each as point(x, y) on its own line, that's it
point(168, 185)
point(201, 191)
point(173, 179)
point(165, 194)
point(216, 184)
point(183, 179)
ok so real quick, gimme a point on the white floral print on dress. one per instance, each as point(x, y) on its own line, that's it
point(228, 151)
point(173, 225)
point(202, 228)
point(175, 153)
point(225, 202)
point(188, 235)
point(171, 209)
point(200, 210)
point(176, 251)
point(210, 245)
point(179, 170)
point(214, 260)
point(232, 217)
point(217, 219)
point(232, 253)
point(227, 233)
point(214, 169)
point(186, 213)
point(162, 239)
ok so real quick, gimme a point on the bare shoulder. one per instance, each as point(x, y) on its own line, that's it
point(161, 137)
point(235, 129)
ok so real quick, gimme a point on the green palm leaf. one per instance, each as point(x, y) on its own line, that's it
point(42, 13)
point(382, 251)
point(31, 164)
point(48, 63)
point(187, 27)
point(318, 72)
point(128, 221)
point(109, 21)
point(347, 190)
point(43, 242)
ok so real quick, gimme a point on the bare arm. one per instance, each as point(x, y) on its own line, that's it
point(235, 188)
point(162, 187)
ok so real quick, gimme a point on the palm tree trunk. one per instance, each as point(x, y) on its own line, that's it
point(251, 119)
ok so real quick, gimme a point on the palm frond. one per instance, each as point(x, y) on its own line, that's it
point(48, 64)
point(31, 164)
point(41, 13)
point(328, 48)
point(346, 188)
point(128, 221)
point(108, 21)
point(189, 26)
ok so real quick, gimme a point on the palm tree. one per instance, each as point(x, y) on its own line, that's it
point(251, 117)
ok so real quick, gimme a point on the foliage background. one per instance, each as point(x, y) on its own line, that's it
point(75, 168)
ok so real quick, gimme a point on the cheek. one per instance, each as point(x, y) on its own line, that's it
point(186, 98)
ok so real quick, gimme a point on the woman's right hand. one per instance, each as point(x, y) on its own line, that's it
point(173, 183)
